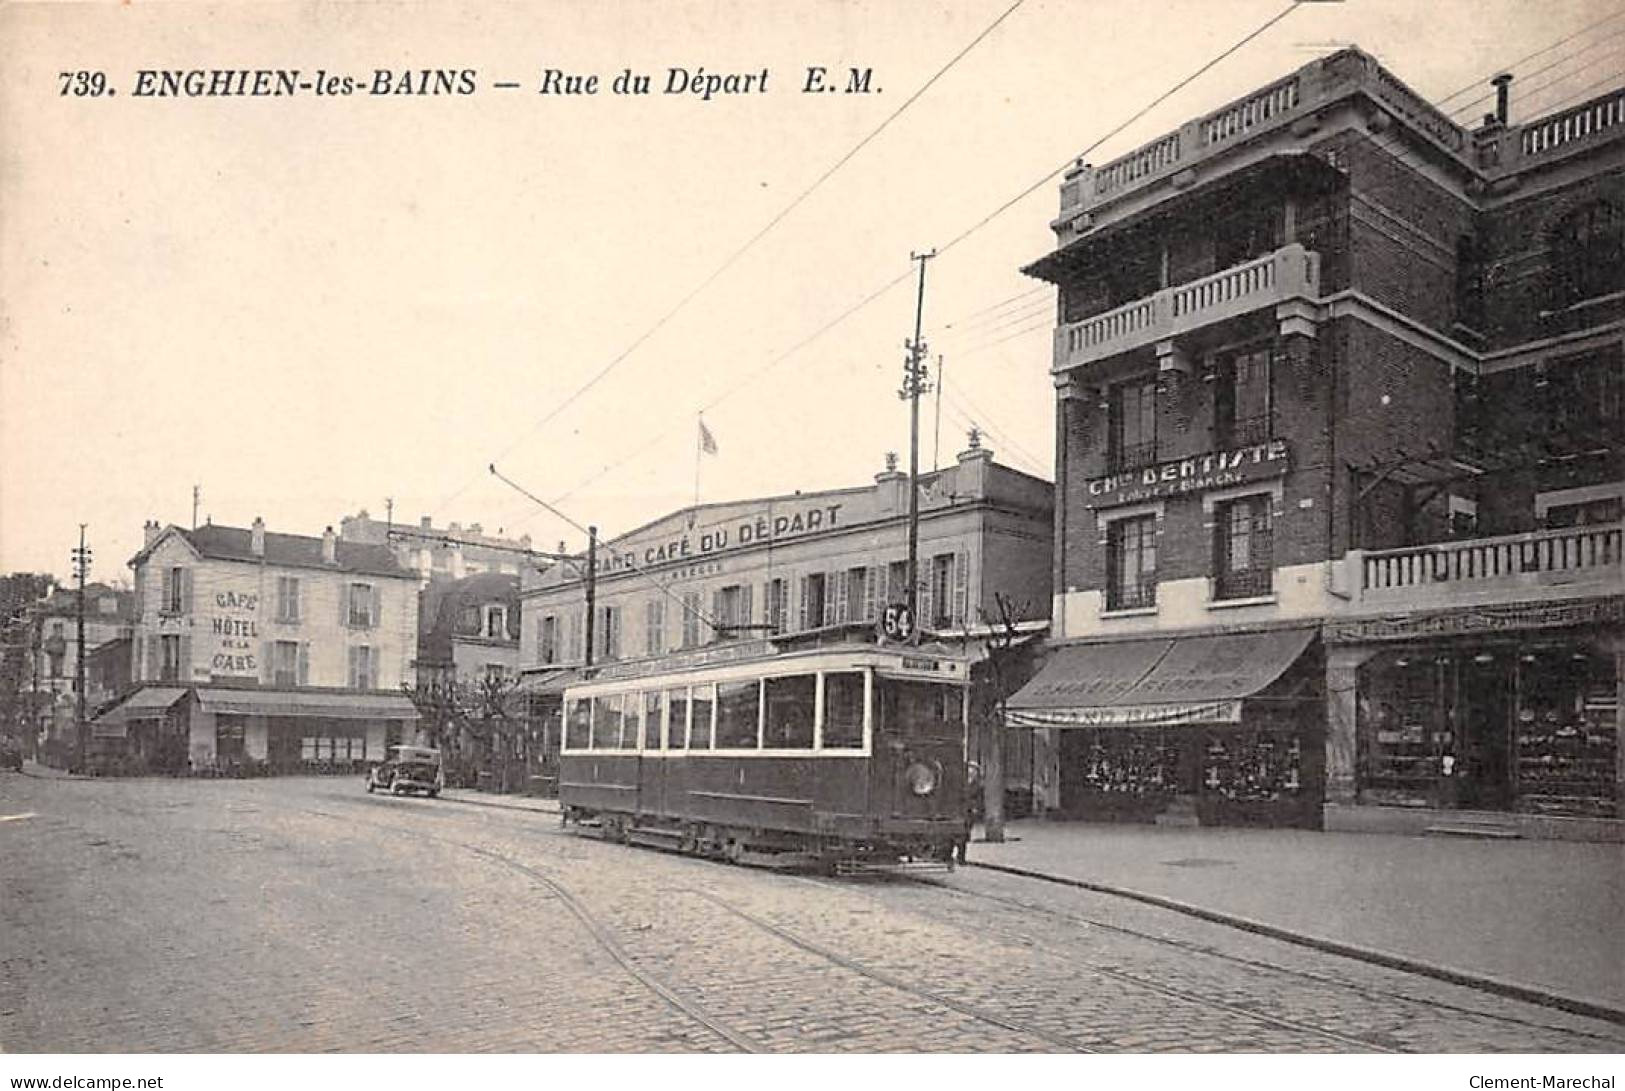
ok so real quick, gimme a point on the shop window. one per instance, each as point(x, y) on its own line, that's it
point(1131, 563)
point(1133, 425)
point(1253, 766)
point(1587, 254)
point(1129, 765)
point(738, 715)
point(789, 722)
point(1244, 563)
point(843, 710)
point(229, 739)
point(1566, 733)
point(654, 627)
point(1242, 403)
point(1404, 729)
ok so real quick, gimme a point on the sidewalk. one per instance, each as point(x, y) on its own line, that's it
point(1544, 916)
point(533, 804)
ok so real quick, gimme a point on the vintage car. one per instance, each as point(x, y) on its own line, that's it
point(408, 769)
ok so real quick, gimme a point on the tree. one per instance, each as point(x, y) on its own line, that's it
point(1002, 651)
point(19, 591)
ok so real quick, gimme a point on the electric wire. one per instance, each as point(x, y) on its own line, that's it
point(741, 250)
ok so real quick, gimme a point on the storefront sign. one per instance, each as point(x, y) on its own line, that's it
point(1481, 619)
point(1163, 715)
point(707, 541)
point(1214, 470)
point(234, 633)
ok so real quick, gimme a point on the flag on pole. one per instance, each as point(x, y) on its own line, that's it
point(708, 442)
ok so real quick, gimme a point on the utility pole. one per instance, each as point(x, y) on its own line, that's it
point(915, 383)
point(592, 587)
point(81, 569)
point(936, 438)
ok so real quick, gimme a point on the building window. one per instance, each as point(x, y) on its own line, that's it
point(56, 662)
point(1242, 406)
point(285, 664)
point(1244, 566)
point(361, 668)
point(1607, 509)
point(1248, 233)
point(813, 601)
point(1588, 254)
point(169, 663)
point(1133, 435)
point(287, 598)
point(859, 606)
point(1131, 563)
point(609, 633)
point(691, 618)
point(1469, 284)
point(654, 627)
point(942, 591)
point(496, 623)
point(59, 630)
point(777, 605)
point(177, 591)
point(361, 613)
point(547, 639)
point(897, 583)
point(730, 609)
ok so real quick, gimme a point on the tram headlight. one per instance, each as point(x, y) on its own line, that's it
point(922, 778)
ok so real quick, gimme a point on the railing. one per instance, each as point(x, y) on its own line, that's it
point(1418, 110)
point(1132, 457)
point(1599, 114)
point(1586, 550)
point(1142, 595)
point(1287, 273)
point(1251, 112)
point(1247, 583)
point(1137, 164)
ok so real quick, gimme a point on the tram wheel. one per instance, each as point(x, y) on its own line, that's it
point(734, 850)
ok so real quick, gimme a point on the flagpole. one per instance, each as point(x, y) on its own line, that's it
point(699, 450)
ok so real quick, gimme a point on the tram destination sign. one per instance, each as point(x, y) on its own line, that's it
point(1198, 473)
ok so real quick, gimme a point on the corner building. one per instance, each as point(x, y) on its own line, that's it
point(1338, 428)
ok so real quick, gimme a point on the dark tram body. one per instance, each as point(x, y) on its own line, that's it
point(848, 755)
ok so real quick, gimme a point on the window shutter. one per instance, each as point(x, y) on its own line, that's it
point(143, 656)
point(377, 606)
point(351, 667)
point(871, 587)
point(962, 587)
point(344, 605)
point(267, 662)
point(168, 591)
point(802, 604)
point(842, 606)
point(829, 597)
point(186, 658)
point(716, 612)
point(926, 598)
point(304, 663)
point(746, 607)
point(186, 590)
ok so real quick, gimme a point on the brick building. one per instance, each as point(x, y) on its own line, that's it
point(258, 651)
point(1338, 428)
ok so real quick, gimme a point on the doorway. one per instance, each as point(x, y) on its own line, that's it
point(1483, 721)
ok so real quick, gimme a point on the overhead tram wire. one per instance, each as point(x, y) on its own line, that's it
point(637, 569)
point(743, 248)
point(961, 237)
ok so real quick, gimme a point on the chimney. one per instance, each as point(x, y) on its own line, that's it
point(973, 464)
point(330, 547)
point(1503, 85)
point(149, 532)
point(256, 537)
point(891, 486)
point(425, 523)
point(475, 529)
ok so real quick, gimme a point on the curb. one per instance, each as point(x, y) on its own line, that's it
point(1531, 994)
point(499, 806)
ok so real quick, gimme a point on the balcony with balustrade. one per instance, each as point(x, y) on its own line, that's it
point(1545, 565)
point(1275, 281)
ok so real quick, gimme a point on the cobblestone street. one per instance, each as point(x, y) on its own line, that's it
point(305, 915)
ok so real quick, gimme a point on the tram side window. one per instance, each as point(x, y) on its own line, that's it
point(578, 722)
point(677, 713)
point(790, 713)
point(632, 721)
point(700, 700)
point(651, 720)
point(738, 713)
point(843, 710)
point(606, 722)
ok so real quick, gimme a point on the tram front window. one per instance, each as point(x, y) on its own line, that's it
point(920, 708)
point(843, 710)
point(790, 713)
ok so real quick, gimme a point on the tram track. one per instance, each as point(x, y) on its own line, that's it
point(1365, 992)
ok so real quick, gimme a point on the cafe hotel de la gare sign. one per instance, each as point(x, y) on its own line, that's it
point(1198, 473)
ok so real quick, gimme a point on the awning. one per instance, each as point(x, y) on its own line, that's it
point(1197, 679)
point(551, 684)
point(338, 706)
point(149, 703)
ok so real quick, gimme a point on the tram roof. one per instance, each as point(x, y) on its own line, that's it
point(925, 662)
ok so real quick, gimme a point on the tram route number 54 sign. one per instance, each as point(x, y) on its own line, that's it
point(896, 623)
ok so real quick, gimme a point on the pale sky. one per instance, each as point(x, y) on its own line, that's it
point(306, 305)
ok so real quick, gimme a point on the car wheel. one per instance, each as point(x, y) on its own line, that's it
point(370, 787)
point(434, 793)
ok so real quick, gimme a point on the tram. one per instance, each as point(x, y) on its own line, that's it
point(840, 756)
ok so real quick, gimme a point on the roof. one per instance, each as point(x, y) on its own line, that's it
point(223, 543)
